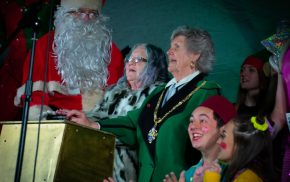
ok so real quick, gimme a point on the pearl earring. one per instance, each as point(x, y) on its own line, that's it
point(192, 65)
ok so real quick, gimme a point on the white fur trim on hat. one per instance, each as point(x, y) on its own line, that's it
point(75, 4)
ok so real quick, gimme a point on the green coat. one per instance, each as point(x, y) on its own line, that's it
point(169, 152)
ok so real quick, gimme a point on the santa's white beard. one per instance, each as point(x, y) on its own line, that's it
point(82, 50)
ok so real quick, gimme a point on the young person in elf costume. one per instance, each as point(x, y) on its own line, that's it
point(246, 146)
point(204, 130)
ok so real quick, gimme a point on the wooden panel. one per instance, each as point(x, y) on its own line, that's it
point(66, 152)
point(86, 155)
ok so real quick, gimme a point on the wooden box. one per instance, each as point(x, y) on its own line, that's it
point(65, 152)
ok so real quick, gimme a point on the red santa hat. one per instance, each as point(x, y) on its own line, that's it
point(75, 4)
point(253, 61)
point(258, 60)
point(221, 106)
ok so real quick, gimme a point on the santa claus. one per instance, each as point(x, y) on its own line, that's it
point(73, 63)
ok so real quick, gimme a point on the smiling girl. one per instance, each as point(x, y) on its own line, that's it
point(246, 146)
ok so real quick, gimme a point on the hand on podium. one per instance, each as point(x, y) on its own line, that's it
point(79, 117)
point(52, 115)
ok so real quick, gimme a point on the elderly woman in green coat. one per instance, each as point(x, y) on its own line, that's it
point(158, 129)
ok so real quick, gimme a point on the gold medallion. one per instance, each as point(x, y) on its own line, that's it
point(152, 134)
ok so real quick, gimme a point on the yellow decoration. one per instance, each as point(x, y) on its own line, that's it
point(261, 127)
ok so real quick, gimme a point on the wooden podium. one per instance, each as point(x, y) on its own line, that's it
point(66, 152)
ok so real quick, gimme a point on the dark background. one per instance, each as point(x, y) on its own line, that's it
point(236, 26)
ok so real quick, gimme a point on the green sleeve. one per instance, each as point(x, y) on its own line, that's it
point(124, 127)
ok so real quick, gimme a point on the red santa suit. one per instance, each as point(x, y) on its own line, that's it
point(11, 12)
point(56, 95)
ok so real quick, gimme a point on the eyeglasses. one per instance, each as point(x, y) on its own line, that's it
point(137, 60)
point(84, 12)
